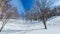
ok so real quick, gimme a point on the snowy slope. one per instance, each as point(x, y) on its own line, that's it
point(19, 27)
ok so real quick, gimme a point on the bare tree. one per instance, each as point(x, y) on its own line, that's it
point(6, 11)
point(43, 6)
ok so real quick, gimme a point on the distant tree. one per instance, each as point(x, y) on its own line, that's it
point(56, 10)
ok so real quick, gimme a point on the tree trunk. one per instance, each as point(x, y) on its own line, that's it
point(44, 22)
point(3, 24)
point(2, 27)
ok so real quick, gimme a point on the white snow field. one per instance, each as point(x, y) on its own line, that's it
point(23, 27)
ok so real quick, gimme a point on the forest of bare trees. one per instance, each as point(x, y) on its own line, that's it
point(41, 10)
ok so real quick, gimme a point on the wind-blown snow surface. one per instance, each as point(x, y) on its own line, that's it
point(23, 27)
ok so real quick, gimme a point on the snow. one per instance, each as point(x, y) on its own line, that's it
point(19, 27)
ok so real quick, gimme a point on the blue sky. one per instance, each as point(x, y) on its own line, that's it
point(19, 6)
point(23, 5)
point(27, 4)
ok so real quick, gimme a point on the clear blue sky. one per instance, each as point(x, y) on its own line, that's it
point(23, 5)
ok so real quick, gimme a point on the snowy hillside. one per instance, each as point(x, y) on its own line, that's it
point(19, 27)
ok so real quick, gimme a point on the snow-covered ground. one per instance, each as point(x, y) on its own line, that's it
point(23, 27)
